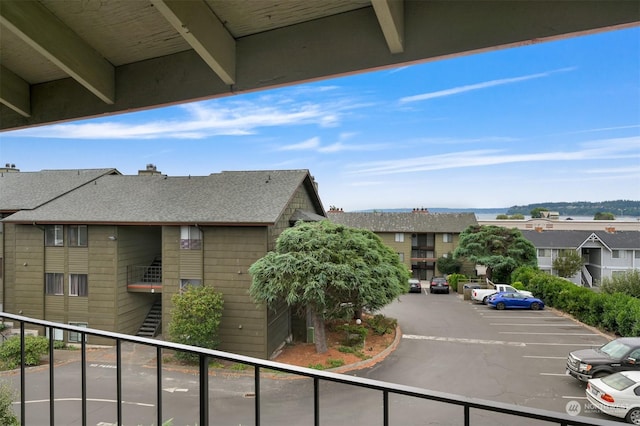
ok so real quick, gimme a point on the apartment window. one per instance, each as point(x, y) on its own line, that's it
point(184, 283)
point(447, 238)
point(57, 333)
point(636, 255)
point(53, 284)
point(78, 285)
point(75, 336)
point(190, 238)
point(544, 252)
point(399, 237)
point(77, 235)
point(53, 236)
point(401, 257)
point(618, 254)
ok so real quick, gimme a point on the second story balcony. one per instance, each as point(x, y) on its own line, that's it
point(144, 278)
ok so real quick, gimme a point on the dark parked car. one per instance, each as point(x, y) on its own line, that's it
point(439, 285)
point(414, 285)
point(617, 355)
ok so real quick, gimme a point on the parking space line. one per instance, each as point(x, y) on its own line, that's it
point(535, 325)
point(535, 317)
point(554, 374)
point(550, 334)
point(544, 357)
point(559, 344)
point(573, 397)
point(462, 340)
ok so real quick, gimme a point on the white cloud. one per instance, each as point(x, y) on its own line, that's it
point(202, 120)
point(595, 150)
point(477, 86)
point(312, 143)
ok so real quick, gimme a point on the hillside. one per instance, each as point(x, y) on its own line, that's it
point(583, 208)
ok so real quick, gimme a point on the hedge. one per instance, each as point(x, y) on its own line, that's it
point(617, 313)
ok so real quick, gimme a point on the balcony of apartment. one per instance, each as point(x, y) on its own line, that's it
point(262, 401)
point(145, 278)
point(423, 255)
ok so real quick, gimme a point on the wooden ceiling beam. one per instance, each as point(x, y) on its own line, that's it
point(204, 32)
point(390, 14)
point(14, 92)
point(40, 29)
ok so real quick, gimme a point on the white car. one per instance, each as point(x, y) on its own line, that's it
point(617, 395)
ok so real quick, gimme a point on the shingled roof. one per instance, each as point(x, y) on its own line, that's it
point(242, 197)
point(28, 190)
point(417, 222)
point(625, 240)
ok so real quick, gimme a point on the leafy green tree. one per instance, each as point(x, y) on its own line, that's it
point(604, 216)
point(500, 249)
point(322, 267)
point(35, 347)
point(7, 416)
point(568, 264)
point(195, 319)
point(536, 213)
point(448, 264)
point(502, 217)
point(627, 282)
point(517, 216)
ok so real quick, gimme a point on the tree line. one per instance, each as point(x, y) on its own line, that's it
point(582, 208)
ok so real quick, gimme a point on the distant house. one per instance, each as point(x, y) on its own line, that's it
point(106, 251)
point(605, 254)
point(419, 237)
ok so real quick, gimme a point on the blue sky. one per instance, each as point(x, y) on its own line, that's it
point(549, 122)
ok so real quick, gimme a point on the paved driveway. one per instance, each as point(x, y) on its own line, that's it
point(513, 356)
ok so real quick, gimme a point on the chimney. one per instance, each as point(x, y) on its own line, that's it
point(334, 209)
point(420, 210)
point(9, 168)
point(149, 171)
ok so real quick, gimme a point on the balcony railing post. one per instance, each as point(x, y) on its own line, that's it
point(204, 390)
point(256, 381)
point(83, 369)
point(159, 385)
point(385, 408)
point(51, 377)
point(316, 401)
point(23, 388)
point(119, 379)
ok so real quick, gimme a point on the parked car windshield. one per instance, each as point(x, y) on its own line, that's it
point(618, 381)
point(615, 349)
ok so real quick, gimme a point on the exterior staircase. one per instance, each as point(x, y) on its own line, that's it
point(152, 323)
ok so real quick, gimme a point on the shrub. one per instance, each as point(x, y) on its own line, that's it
point(195, 319)
point(354, 334)
point(7, 416)
point(614, 312)
point(34, 348)
point(382, 325)
point(454, 279)
point(627, 282)
point(517, 285)
point(524, 274)
point(335, 363)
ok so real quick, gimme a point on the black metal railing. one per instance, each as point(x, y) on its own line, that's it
point(204, 355)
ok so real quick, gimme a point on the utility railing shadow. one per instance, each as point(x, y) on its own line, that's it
point(204, 355)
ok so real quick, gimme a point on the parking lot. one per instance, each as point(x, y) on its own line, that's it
point(513, 356)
